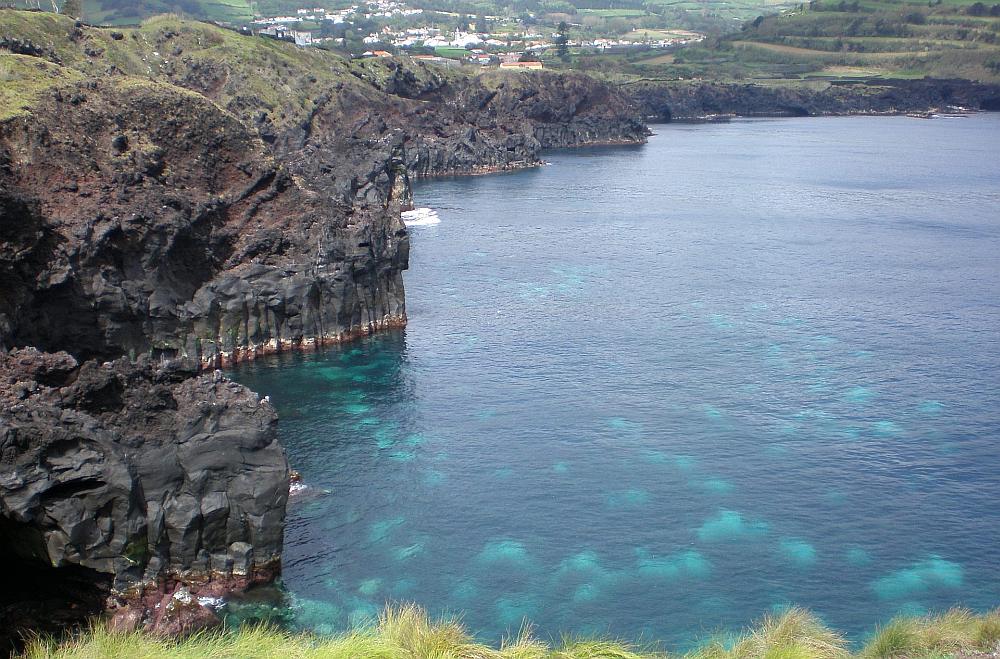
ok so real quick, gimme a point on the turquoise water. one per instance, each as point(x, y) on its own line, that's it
point(658, 391)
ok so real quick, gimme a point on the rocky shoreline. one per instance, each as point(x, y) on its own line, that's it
point(164, 214)
point(701, 101)
point(251, 352)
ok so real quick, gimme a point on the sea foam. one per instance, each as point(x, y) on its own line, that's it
point(420, 217)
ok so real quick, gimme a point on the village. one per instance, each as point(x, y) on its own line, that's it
point(382, 28)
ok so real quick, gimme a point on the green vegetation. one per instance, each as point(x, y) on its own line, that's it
point(611, 13)
point(589, 17)
point(953, 633)
point(241, 73)
point(750, 40)
point(132, 12)
point(406, 632)
point(454, 53)
point(23, 79)
point(838, 39)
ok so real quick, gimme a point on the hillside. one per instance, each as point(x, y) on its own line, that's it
point(749, 40)
point(838, 40)
point(714, 15)
point(131, 12)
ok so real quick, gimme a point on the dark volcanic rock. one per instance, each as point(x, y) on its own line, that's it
point(503, 120)
point(145, 220)
point(683, 100)
point(139, 218)
point(145, 476)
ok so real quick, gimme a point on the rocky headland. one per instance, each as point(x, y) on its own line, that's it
point(175, 198)
point(705, 100)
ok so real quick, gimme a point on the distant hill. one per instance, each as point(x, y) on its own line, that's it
point(126, 12)
point(816, 40)
point(849, 40)
point(712, 16)
point(129, 12)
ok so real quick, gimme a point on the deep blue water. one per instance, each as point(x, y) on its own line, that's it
point(658, 391)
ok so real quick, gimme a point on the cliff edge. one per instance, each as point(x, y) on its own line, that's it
point(175, 198)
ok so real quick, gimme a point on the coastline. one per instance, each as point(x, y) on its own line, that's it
point(931, 113)
point(698, 101)
point(229, 359)
point(486, 170)
point(146, 213)
point(208, 229)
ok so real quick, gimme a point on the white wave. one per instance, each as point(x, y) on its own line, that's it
point(421, 217)
point(211, 602)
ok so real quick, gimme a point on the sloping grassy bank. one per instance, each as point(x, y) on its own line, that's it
point(406, 632)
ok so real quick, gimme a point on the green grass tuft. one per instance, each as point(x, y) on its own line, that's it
point(406, 632)
point(790, 635)
point(897, 639)
point(956, 632)
point(596, 649)
point(987, 633)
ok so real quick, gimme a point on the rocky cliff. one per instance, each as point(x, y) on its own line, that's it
point(177, 197)
point(199, 212)
point(119, 481)
point(687, 100)
point(148, 221)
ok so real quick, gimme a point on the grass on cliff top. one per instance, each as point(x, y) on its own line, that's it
point(23, 79)
point(406, 632)
point(242, 74)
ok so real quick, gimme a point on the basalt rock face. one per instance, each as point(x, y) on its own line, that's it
point(672, 101)
point(503, 121)
point(141, 223)
point(462, 124)
point(142, 219)
point(132, 478)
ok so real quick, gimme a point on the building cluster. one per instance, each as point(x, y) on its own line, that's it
point(285, 33)
point(505, 49)
point(603, 44)
point(318, 14)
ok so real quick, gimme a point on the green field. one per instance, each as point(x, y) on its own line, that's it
point(453, 53)
point(642, 35)
point(612, 13)
point(830, 39)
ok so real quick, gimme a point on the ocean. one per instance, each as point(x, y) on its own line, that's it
point(656, 392)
